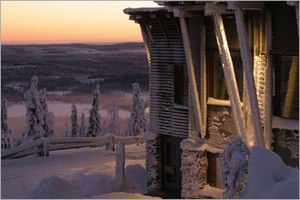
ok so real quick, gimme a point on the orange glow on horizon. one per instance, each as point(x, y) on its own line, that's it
point(68, 21)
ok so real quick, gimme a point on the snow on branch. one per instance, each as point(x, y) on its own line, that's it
point(234, 167)
point(137, 122)
point(74, 131)
point(94, 120)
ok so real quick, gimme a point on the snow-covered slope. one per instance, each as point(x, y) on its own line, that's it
point(76, 173)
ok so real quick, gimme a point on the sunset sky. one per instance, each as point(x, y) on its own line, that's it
point(68, 21)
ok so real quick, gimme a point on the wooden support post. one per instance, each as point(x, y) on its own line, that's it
point(192, 78)
point(111, 144)
point(120, 165)
point(203, 77)
point(250, 85)
point(268, 90)
point(146, 36)
point(229, 75)
point(45, 147)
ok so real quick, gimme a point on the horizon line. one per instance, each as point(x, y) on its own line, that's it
point(67, 42)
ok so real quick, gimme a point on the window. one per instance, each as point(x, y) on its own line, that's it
point(217, 86)
point(214, 177)
point(180, 85)
point(287, 86)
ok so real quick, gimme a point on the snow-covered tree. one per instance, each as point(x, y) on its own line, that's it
point(94, 119)
point(136, 121)
point(234, 167)
point(6, 137)
point(113, 116)
point(34, 113)
point(67, 132)
point(144, 105)
point(82, 128)
point(74, 131)
point(48, 117)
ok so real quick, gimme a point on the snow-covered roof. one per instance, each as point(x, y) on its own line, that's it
point(144, 10)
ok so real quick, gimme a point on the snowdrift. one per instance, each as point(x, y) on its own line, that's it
point(72, 174)
point(269, 177)
point(89, 185)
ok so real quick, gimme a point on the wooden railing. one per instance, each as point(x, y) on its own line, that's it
point(43, 146)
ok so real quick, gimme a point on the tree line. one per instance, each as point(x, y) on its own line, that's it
point(40, 121)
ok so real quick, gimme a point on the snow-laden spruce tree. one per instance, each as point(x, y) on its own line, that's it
point(136, 120)
point(113, 116)
point(74, 130)
point(82, 128)
point(234, 167)
point(48, 117)
point(144, 105)
point(6, 137)
point(94, 119)
point(67, 131)
point(34, 113)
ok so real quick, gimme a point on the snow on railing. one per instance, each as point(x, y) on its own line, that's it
point(43, 146)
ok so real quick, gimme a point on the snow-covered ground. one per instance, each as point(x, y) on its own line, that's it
point(269, 177)
point(76, 173)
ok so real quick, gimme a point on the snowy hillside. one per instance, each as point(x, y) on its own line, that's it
point(76, 173)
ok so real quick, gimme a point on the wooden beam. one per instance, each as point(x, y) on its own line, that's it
point(145, 28)
point(203, 77)
point(268, 80)
point(211, 8)
point(229, 75)
point(250, 85)
point(146, 41)
point(192, 78)
point(250, 5)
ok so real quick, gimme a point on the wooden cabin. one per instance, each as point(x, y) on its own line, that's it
point(217, 70)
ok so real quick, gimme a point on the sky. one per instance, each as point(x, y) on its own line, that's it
point(25, 22)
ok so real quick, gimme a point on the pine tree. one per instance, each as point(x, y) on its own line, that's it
point(6, 137)
point(136, 123)
point(34, 115)
point(67, 133)
point(82, 128)
point(4, 124)
point(94, 120)
point(113, 116)
point(144, 105)
point(48, 117)
point(74, 130)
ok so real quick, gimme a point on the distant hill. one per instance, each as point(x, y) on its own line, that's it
point(76, 67)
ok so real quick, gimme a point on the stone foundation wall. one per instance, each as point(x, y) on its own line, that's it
point(286, 145)
point(220, 126)
point(193, 168)
point(153, 159)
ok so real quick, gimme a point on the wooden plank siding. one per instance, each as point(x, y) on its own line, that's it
point(166, 55)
